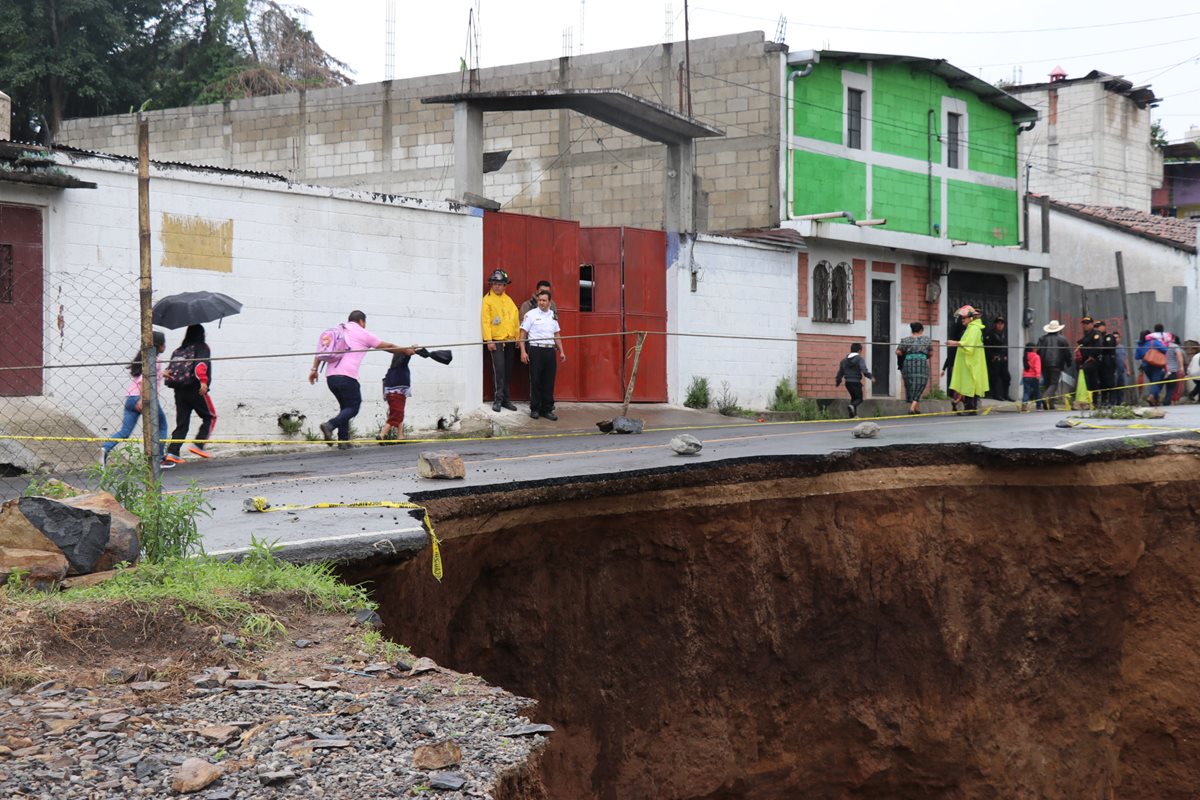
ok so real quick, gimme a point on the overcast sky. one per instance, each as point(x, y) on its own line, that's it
point(1154, 43)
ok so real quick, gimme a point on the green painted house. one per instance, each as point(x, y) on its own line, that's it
point(915, 141)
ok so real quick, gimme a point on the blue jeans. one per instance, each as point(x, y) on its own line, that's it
point(1029, 389)
point(129, 422)
point(349, 397)
point(1153, 375)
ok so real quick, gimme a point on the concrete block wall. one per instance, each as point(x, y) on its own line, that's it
point(380, 137)
point(742, 289)
point(817, 359)
point(303, 258)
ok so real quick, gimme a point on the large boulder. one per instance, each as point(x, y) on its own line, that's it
point(92, 530)
point(39, 568)
point(18, 532)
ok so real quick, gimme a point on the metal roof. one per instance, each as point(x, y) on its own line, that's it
point(1142, 96)
point(955, 77)
point(613, 106)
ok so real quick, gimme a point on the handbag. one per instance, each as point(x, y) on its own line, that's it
point(1155, 358)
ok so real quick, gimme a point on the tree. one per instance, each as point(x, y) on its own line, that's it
point(1158, 135)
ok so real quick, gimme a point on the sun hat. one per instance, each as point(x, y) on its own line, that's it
point(965, 311)
point(1053, 326)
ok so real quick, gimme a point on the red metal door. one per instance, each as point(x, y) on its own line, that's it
point(645, 303)
point(21, 300)
point(600, 357)
point(530, 249)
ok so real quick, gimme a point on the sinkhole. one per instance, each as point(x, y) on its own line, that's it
point(883, 623)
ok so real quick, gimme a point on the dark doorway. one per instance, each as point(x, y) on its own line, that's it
point(988, 293)
point(881, 337)
point(21, 300)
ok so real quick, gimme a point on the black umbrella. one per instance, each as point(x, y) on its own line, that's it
point(193, 308)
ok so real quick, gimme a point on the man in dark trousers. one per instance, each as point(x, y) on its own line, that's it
point(995, 345)
point(1108, 364)
point(532, 302)
point(1055, 352)
point(852, 370)
point(1091, 347)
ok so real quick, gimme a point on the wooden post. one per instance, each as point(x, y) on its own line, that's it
point(1128, 334)
point(637, 356)
point(145, 293)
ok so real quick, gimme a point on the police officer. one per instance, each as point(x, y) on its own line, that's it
point(1091, 348)
point(1108, 364)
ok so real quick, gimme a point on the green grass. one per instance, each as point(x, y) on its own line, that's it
point(936, 393)
point(697, 394)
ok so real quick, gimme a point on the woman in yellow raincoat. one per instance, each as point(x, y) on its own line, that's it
point(970, 377)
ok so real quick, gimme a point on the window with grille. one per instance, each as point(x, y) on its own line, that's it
point(854, 118)
point(954, 141)
point(832, 290)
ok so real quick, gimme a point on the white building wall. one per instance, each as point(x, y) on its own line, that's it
point(1084, 252)
point(742, 289)
point(302, 259)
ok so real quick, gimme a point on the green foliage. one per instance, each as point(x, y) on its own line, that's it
point(42, 485)
point(1158, 134)
point(785, 398)
point(727, 401)
point(697, 394)
point(1114, 412)
point(936, 393)
point(375, 645)
point(168, 519)
point(291, 422)
point(16, 580)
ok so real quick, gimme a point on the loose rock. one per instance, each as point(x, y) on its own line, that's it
point(686, 445)
point(1148, 412)
point(626, 425)
point(193, 775)
point(444, 464)
point(866, 430)
point(436, 756)
point(81, 534)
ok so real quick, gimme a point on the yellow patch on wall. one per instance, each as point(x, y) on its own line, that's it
point(197, 243)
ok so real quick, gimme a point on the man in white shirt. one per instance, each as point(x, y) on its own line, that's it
point(539, 341)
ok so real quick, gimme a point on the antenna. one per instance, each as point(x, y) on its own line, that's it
point(567, 42)
point(389, 40)
point(781, 30)
point(670, 32)
point(582, 9)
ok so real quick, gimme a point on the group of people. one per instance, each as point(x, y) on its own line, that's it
point(534, 332)
point(188, 374)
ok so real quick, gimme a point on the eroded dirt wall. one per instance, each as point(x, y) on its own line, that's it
point(918, 632)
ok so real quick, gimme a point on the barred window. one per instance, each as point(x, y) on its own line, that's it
point(832, 290)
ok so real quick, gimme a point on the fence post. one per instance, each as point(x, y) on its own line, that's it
point(637, 356)
point(149, 351)
point(1125, 324)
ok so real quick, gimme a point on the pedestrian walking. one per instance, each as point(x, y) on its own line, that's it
point(133, 407)
point(995, 340)
point(1176, 370)
point(501, 327)
point(1152, 353)
point(914, 352)
point(540, 340)
point(1031, 376)
point(1054, 351)
point(970, 370)
point(189, 376)
point(1194, 374)
point(341, 375)
point(852, 370)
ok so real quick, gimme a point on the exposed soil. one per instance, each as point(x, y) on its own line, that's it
point(894, 623)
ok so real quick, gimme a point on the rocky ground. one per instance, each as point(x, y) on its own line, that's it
point(134, 705)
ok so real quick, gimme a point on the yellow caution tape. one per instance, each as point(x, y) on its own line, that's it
point(260, 504)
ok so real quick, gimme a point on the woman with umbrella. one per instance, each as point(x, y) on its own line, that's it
point(189, 375)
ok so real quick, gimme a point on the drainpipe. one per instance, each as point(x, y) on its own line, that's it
point(929, 173)
point(787, 143)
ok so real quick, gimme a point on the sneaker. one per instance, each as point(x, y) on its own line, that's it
point(327, 431)
point(167, 464)
point(508, 404)
point(550, 415)
point(199, 451)
point(172, 459)
point(850, 410)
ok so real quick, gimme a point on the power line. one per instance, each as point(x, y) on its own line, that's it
point(1089, 55)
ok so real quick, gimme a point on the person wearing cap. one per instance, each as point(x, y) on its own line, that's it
point(1090, 349)
point(501, 327)
point(1108, 365)
point(953, 331)
point(995, 340)
point(970, 378)
point(1055, 353)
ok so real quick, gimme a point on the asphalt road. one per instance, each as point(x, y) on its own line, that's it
point(322, 475)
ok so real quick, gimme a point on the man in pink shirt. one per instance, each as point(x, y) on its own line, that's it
point(342, 377)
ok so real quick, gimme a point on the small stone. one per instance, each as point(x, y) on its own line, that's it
point(866, 430)
point(220, 734)
point(686, 445)
point(149, 686)
point(147, 767)
point(530, 729)
point(313, 683)
point(318, 744)
point(436, 756)
point(57, 727)
point(423, 665)
point(114, 675)
point(449, 781)
point(302, 643)
point(1148, 412)
point(204, 681)
point(626, 425)
point(443, 464)
point(229, 640)
point(273, 778)
point(193, 775)
point(367, 618)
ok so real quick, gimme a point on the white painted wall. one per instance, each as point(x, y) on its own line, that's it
point(743, 289)
point(303, 258)
point(1083, 252)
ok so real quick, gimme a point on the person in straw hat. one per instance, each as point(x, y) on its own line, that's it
point(1055, 352)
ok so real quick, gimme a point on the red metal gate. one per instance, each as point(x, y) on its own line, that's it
point(21, 300)
point(605, 280)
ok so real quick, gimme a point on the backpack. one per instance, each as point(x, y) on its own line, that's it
point(181, 372)
point(331, 346)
